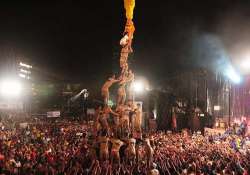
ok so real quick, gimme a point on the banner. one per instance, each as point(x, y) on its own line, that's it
point(53, 114)
point(214, 131)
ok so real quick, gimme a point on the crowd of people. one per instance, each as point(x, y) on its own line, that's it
point(72, 147)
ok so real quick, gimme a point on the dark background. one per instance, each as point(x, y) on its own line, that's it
point(79, 40)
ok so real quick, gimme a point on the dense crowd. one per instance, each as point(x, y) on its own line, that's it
point(66, 147)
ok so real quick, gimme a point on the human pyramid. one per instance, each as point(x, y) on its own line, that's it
point(127, 116)
point(125, 127)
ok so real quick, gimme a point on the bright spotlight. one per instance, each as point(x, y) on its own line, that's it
point(233, 75)
point(10, 88)
point(25, 65)
point(216, 108)
point(25, 71)
point(138, 86)
point(245, 65)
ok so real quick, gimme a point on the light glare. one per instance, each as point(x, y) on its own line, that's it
point(25, 71)
point(22, 75)
point(233, 75)
point(245, 66)
point(10, 88)
point(25, 65)
point(216, 108)
point(138, 86)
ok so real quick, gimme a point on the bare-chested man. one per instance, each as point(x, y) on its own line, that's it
point(149, 152)
point(121, 93)
point(138, 118)
point(153, 170)
point(104, 117)
point(124, 79)
point(103, 120)
point(116, 145)
point(98, 112)
point(126, 42)
point(130, 150)
point(132, 114)
point(123, 111)
point(104, 150)
point(124, 56)
point(124, 72)
point(130, 76)
point(129, 31)
point(139, 153)
point(105, 88)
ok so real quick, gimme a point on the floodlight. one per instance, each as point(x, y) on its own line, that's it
point(245, 65)
point(25, 65)
point(10, 88)
point(216, 108)
point(25, 71)
point(138, 86)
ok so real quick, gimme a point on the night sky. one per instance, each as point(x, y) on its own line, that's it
point(78, 40)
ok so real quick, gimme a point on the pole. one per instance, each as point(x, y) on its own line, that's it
point(206, 91)
point(196, 94)
point(229, 104)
